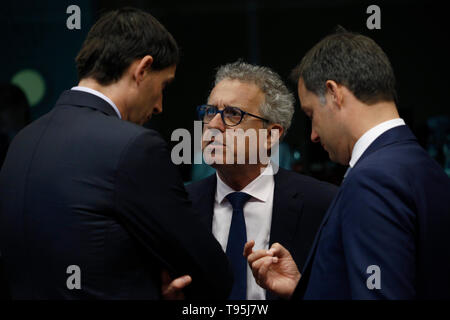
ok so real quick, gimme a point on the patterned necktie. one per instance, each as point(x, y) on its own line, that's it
point(235, 246)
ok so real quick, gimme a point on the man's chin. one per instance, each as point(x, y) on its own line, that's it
point(333, 157)
point(145, 120)
point(217, 162)
point(141, 121)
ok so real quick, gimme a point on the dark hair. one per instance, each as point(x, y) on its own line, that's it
point(352, 60)
point(118, 38)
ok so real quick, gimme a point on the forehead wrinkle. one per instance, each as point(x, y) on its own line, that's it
point(246, 96)
point(229, 101)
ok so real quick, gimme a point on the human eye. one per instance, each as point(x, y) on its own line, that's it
point(211, 110)
point(233, 112)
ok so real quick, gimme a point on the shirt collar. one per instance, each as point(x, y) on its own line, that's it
point(367, 138)
point(259, 188)
point(100, 95)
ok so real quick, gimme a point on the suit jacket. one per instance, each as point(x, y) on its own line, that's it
point(392, 212)
point(4, 289)
point(299, 204)
point(81, 187)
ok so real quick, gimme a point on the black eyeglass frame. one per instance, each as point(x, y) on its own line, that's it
point(243, 113)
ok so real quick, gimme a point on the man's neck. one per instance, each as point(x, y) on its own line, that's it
point(371, 116)
point(112, 91)
point(238, 176)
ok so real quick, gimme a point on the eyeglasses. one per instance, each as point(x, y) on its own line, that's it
point(231, 116)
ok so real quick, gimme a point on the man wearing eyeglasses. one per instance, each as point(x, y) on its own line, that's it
point(253, 199)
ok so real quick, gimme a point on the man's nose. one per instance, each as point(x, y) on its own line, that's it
point(217, 123)
point(314, 136)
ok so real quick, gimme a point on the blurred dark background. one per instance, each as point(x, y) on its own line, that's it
point(38, 52)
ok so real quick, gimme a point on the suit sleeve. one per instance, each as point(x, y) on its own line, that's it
point(153, 205)
point(378, 234)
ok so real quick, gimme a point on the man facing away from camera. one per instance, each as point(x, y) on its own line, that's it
point(91, 205)
point(385, 235)
point(249, 197)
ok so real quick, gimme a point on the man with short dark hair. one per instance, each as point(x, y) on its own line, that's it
point(91, 205)
point(385, 235)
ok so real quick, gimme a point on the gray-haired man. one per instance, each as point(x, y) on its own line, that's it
point(249, 198)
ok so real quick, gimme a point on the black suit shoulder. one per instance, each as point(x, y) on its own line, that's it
point(197, 187)
point(118, 198)
point(313, 191)
point(304, 179)
point(106, 129)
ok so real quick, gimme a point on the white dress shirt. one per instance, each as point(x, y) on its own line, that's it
point(100, 95)
point(258, 218)
point(367, 138)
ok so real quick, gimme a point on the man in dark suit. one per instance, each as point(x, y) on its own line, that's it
point(282, 206)
point(91, 205)
point(385, 236)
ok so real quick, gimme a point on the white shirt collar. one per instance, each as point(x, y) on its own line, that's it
point(258, 188)
point(367, 138)
point(100, 95)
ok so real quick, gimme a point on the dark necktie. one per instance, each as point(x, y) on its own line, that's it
point(235, 246)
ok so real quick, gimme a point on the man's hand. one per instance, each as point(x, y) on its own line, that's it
point(173, 289)
point(273, 269)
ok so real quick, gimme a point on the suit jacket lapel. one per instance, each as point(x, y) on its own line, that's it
point(306, 271)
point(204, 200)
point(287, 208)
point(286, 213)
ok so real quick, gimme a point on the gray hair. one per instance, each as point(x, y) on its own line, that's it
point(278, 106)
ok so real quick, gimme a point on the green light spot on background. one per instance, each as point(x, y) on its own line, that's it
point(32, 84)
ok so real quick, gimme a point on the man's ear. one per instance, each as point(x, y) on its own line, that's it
point(274, 132)
point(142, 68)
point(334, 90)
